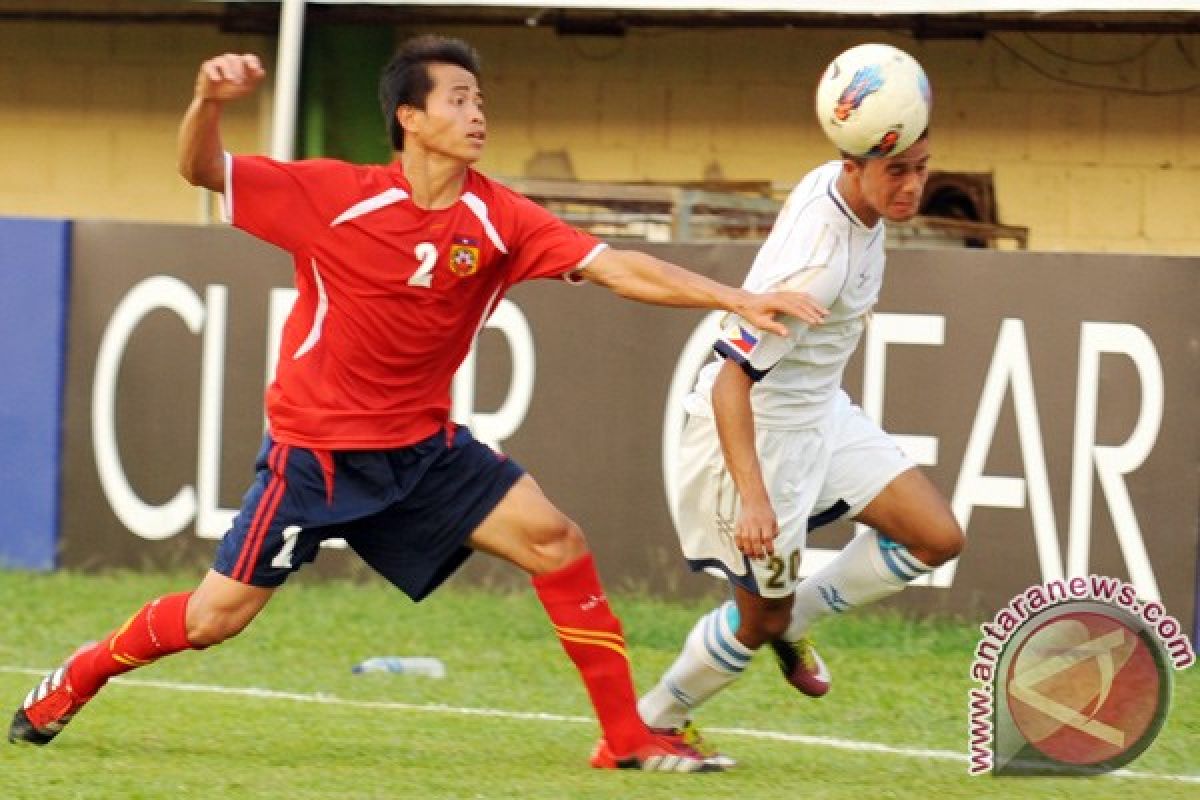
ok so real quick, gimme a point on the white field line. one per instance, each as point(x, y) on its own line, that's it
point(320, 698)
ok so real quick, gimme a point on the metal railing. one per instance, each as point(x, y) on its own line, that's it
point(664, 213)
point(656, 213)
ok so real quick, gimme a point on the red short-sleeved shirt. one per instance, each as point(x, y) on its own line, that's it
point(391, 296)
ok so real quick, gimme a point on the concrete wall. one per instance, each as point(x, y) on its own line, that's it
point(89, 112)
point(88, 115)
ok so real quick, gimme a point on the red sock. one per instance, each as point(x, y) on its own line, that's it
point(591, 635)
point(157, 630)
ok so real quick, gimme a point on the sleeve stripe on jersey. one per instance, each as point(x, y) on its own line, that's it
point(575, 276)
point(591, 256)
point(479, 208)
point(727, 350)
point(384, 198)
point(314, 333)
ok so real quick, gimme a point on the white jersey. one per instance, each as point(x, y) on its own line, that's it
point(818, 246)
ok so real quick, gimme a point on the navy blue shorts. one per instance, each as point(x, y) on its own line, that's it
point(407, 512)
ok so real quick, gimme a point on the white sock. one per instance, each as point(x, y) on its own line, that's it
point(711, 659)
point(869, 568)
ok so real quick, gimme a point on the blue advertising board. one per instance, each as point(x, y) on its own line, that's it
point(34, 259)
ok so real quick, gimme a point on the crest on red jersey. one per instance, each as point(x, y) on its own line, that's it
point(464, 256)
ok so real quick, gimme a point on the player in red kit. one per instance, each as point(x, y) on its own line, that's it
point(398, 268)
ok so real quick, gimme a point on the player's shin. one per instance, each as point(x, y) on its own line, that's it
point(711, 659)
point(591, 635)
point(156, 630)
point(870, 568)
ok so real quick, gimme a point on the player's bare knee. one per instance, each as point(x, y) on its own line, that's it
point(557, 547)
point(942, 544)
point(955, 544)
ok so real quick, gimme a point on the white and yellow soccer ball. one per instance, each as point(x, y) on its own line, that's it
point(873, 101)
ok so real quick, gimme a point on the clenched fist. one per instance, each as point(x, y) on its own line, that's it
point(229, 76)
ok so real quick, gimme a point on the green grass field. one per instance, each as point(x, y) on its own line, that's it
point(510, 720)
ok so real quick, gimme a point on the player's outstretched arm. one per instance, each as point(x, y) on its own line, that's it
point(757, 525)
point(201, 154)
point(642, 277)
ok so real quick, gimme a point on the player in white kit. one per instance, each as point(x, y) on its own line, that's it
point(773, 447)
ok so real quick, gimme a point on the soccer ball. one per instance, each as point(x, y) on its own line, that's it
point(873, 101)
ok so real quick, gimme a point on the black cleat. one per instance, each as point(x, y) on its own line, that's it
point(48, 708)
point(22, 730)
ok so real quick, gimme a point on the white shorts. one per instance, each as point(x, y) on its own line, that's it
point(813, 476)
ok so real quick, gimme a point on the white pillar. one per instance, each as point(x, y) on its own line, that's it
point(287, 79)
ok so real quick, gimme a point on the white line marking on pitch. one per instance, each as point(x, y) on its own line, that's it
point(436, 708)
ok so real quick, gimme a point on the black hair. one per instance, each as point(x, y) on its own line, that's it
point(405, 81)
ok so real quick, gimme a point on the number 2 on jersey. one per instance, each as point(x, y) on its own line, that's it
point(427, 254)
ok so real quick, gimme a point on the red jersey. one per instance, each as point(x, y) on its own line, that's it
point(391, 296)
